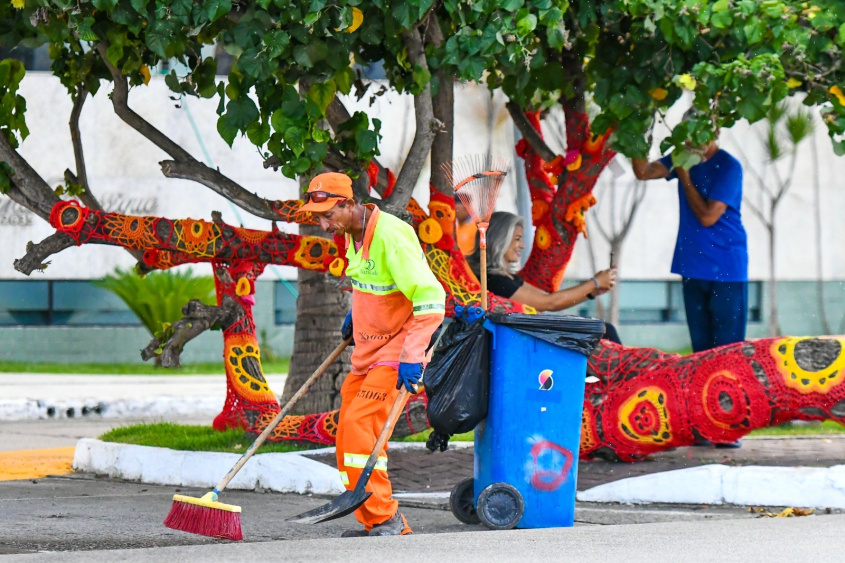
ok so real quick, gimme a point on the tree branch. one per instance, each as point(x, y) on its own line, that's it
point(531, 135)
point(443, 107)
point(32, 191)
point(425, 130)
point(197, 318)
point(223, 185)
point(36, 254)
point(185, 166)
point(120, 101)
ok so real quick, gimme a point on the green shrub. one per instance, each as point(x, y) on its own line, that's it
point(157, 298)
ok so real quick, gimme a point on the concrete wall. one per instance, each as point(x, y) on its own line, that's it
point(122, 344)
point(799, 316)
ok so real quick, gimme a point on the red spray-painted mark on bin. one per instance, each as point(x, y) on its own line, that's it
point(549, 472)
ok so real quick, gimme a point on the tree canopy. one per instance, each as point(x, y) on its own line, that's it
point(631, 58)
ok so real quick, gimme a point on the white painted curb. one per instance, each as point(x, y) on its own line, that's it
point(287, 472)
point(806, 487)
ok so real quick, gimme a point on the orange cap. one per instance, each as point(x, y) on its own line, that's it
point(335, 183)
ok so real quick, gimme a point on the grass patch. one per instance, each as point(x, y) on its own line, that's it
point(196, 439)
point(280, 366)
point(790, 429)
point(423, 436)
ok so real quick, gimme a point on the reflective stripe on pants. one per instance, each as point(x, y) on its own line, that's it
point(365, 404)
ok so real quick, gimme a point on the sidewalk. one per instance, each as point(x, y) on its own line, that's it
point(420, 471)
point(31, 396)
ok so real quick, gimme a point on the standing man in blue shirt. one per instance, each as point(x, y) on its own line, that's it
point(711, 253)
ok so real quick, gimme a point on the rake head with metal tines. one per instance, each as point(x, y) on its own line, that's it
point(477, 180)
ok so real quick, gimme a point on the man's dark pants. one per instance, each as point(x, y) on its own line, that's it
point(716, 312)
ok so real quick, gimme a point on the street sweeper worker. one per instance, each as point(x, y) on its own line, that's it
point(397, 304)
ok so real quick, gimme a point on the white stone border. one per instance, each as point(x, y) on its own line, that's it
point(806, 487)
point(287, 472)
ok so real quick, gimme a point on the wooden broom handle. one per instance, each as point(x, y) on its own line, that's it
point(282, 413)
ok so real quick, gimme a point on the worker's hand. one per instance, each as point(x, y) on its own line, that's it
point(409, 376)
point(606, 279)
point(346, 328)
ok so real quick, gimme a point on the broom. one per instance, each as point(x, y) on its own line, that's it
point(476, 180)
point(207, 517)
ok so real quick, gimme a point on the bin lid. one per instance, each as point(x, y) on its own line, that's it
point(578, 334)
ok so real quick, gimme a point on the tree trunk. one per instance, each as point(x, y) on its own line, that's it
point(320, 309)
point(773, 290)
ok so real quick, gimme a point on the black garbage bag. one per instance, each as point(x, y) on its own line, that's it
point(578, 334)
point(457, 381)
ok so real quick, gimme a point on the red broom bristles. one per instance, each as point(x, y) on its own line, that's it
point(204, 521)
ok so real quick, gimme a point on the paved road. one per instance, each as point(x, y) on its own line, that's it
point(794, 539)
point(89, 513)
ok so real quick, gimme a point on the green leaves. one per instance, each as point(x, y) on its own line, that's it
point(6, 174)
point(158, 297)
point(307, 55)
point(239, 116)
point(322, 94)
point(216, 9)
point(104, 5)
point(12, 105)
point(526, 24)
point(242, 112)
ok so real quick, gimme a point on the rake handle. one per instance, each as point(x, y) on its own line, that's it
point(482, 244)
point(281, 414)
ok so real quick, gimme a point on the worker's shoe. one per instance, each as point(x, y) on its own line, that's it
point(355, 534)
point(396, 526)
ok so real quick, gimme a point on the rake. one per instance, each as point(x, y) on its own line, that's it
point(476, 180)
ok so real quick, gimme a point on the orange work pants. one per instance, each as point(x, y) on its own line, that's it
point(365, 404)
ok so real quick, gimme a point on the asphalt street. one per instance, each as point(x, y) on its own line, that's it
point(84, 512)
point(80, 517)
point(790, 539)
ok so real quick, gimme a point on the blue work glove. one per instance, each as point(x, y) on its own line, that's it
point(346, 328)
point(409, 376)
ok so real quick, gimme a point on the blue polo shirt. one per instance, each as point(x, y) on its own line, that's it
point(718, 252)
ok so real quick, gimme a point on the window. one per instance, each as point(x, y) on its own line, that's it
point(648, 302)
point(32, 59)
point(284, 302)
point(61, 303)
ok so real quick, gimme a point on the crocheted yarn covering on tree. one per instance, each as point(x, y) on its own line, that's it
point(647, 401)
point(557, 211)
point(248, 395)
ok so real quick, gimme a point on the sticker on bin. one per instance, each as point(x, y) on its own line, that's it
point(546, 381)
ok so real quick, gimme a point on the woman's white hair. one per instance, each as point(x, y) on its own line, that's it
point(499, 237)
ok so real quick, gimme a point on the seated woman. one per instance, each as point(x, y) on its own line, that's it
point(504, 248)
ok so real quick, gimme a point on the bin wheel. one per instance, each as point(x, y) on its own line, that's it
point(462, 502)
point(500, 506)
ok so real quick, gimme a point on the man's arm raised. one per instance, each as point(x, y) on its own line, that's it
point(645, 170)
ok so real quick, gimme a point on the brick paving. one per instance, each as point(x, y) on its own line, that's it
point(417, 470)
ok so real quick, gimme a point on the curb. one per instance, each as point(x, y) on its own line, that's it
point(287, 472)
point(805, 487)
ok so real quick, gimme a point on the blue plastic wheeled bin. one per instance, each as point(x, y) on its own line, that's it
point(526, 451)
